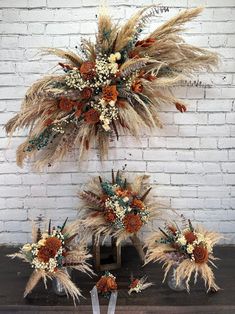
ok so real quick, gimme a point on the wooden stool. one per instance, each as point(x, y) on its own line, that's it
point(115, 254)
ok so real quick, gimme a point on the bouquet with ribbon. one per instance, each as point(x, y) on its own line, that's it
point(107, 287)
point(189, 249)
point(51, 253)
point(113, 85)
point(118, 207)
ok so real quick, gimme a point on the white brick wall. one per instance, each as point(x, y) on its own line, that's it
point(191, 160)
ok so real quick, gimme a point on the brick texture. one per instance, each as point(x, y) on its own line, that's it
point(191, 160)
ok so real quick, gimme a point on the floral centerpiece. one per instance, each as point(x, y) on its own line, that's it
point(189, 249)
point(118, 208)
point(115, 84)
point(51, 253)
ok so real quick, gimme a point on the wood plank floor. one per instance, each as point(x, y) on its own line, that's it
point(156, 299)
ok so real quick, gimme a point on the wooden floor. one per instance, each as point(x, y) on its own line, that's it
point(156, 299)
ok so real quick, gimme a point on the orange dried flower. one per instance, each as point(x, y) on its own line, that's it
point(87, 70)
point(132, 223)
point(137, 86)
point(110, 93)
point(190, 236)
point(201, 254)
point(123, 193)
point(86, 93)
point(106, 284)
point(65, 104)
point(137, 203)
point(180, 107)
point(146, 42)
point(78, 113)
point(92, 116)
point(134, 283)
point(110, 216)
point(53, 243)
point(45, 253)
point(172, 229)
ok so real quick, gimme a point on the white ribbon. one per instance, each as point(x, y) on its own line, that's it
point(96, 304)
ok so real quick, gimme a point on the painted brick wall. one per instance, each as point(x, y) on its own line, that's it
point(191, 160)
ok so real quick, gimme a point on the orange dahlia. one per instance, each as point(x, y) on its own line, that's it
point(86, 93)
point(132, 223)
point(92, 116)
point(201, 254)
point(45, 253)
point(110, 93)
point(65, 104)
point(87, 70)
point(110, 216)
point(53, 243)
point(137, 203)
point(106, 284)
point(190, 236)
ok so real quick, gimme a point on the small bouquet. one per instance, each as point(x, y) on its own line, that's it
point(51, 253)
point(106, 284)
point(138, 285)
point(108, 87)
point(117, 208)
point(189, 249)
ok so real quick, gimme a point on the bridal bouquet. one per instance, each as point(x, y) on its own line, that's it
point(50, 253)
point(118, 207)
point(188, 249)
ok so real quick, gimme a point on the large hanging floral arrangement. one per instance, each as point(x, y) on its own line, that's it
point(189, 249)
point(114, 84)
point(51, 253)
point(118, 208)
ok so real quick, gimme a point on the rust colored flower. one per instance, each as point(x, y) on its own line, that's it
point(53, 243)
point(146, 42)
point(87, 70)
point(123, 193)
point(150, 77)
point(134, 54)
point(200, 254)
point(78, 113)
point(106, 284)
point(92, 116)
point(180, 107)
point(110, 93)
point(172, 229)
point(137, 203)
point(45, 253)
point(132, 223)
point(110, 216)
point(190, 236)
point(86, 93)
point(65, 104)
point(137, 86)
point(134, 283)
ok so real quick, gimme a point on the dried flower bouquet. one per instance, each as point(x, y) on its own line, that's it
point(51, 252)
point(118, 208)
point(115, 84)
point(189, 249)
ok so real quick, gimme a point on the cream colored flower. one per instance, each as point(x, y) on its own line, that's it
point(118, 55)
point(112, 58)
point(45, 235)
point(190, 248)
point(27, 247)
point(182, 240)
point(42, 242)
